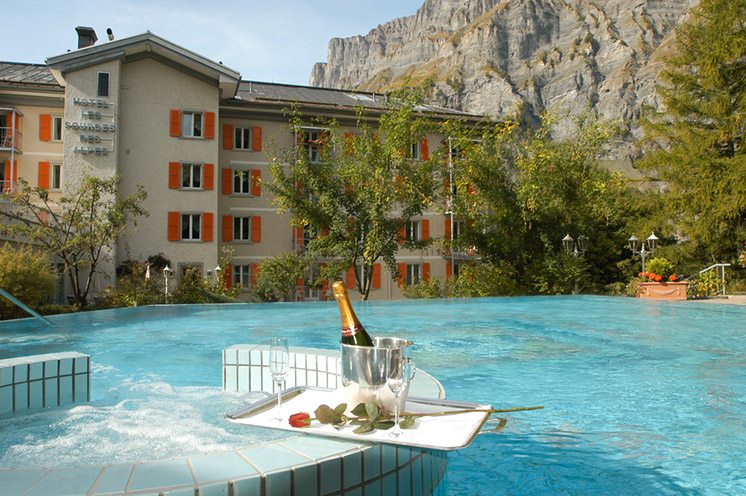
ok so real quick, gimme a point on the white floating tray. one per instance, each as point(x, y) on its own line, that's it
point(448, 432)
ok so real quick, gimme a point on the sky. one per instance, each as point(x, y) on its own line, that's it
point(264, 40)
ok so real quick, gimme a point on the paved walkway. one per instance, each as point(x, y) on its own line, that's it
point(730, 299)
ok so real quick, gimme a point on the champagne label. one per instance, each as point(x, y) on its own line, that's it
point(349, 332)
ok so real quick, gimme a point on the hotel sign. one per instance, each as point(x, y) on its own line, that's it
point(94, 134)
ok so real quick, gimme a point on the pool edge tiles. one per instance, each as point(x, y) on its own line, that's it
point(297, 466)
point(36, 382)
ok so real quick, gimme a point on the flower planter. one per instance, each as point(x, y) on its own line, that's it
point(663, 290)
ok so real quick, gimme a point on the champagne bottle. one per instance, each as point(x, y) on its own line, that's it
point(353, 331)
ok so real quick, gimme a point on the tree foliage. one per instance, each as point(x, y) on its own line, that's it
point(363, 189)
point(278, 275)
point(697, 140)
point(522, 191)
point(79, 229)
point(27, 275)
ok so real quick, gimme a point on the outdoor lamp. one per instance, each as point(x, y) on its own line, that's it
point(567, 243)
point(217, 274)
point(582, 243)
point(652, 242)
point(633, 243)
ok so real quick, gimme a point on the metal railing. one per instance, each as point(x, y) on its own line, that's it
point(10, 138)
point(23, 306)
point(721, 289)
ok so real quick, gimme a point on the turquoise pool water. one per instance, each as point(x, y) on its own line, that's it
point(641, 397)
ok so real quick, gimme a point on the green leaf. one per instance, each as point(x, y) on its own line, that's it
point(341, 408)
point(359, 410)
point(384, 424)
point(372, 410)
point(364, 429)
point(407, 422)
point(325, 415)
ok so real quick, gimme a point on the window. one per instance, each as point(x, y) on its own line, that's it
point(56, 179)
point(190, 226)
point(414, 150)
point(243, 139)
point(191, 124)
point(103, 84)
point(191, 176)
point(242, 228)
point(458, 228)
point(241, 181)
point(413, 231)
point(313, 141)
point(242, 275)
point(56, 128)
point(413, 274)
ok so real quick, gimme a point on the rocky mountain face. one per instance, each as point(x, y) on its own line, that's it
point(493, 56)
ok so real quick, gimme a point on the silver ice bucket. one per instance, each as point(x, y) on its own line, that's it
point(364, 372)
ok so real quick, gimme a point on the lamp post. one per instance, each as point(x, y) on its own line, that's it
point(217, 270)
point(166, 272)
point(646, 248)
point(576, 249)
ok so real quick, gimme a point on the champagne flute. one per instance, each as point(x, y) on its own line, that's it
point(279, 365)
point(398, 374)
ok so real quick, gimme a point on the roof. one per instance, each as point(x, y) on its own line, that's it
point(145, 43)
point(283, 94)
point(20, 73)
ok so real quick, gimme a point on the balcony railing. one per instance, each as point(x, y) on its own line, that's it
point(10, 139)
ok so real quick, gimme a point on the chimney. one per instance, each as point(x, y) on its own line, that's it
point(86, 36)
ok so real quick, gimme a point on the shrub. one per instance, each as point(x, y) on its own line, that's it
point(484, 280)
point(278, 276)
point(27, 275)
point(660, 266)
point(424, 289)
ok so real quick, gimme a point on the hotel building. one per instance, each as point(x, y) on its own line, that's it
point(197, 137)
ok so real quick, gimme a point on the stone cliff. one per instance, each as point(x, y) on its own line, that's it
point(491, 57)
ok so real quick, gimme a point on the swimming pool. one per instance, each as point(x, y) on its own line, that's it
point(641, 397)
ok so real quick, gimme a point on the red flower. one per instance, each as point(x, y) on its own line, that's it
point(640, 274)
point(672, 277)
point(658, 278)
point(301, 419)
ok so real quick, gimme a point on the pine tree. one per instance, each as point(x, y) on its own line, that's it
point(698, 137)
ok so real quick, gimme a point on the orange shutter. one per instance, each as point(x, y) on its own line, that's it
point(376, 283)
point(254, 273)
point(324, 231)
point(209, 176)
point(44, 175)
point(45, 127)
point(227, 181)
point(6, 186)
point(175, 123)
point(227, 228)
point(256, 139)
point(207, 226)
point(470, 189)
point(174, 219)
point(228, 277)
point(447, 228)
point(256, 229)
point(401, 280)
point(349, 143)
point(256, 182)
point(449, 270)
point(209, 125)
point(174, 175)
point(298, 238)
point(426, 271)
point(424, 151)
point(425, 229)
point(350, 279)
point(402, 235)
point(15, 172)
point(227, 137)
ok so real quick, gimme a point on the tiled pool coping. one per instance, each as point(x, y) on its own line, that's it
point(301, 465)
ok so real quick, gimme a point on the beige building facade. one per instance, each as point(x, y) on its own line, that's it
point(197, 137)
